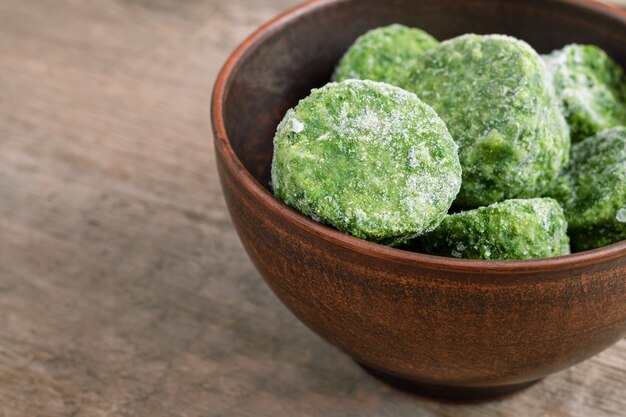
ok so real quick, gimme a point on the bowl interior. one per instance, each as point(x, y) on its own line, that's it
point(301, 49)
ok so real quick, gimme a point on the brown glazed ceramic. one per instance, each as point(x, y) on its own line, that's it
point(461, 327)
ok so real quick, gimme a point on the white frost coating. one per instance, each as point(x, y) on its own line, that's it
point(555, 60)
point(419, 155)
point(621, 215)
point(413, 161)
point(296, 125)
point(369, 120)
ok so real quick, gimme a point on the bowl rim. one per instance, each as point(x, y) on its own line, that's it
point(233, 164)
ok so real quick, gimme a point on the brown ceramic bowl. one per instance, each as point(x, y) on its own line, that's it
point(461, 326)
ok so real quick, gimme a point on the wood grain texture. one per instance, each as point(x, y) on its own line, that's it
point(124, 290)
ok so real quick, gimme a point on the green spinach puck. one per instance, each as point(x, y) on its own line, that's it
point(513, 229)
point(591, 88)
point(369, 159)
point(592, 190)
point(495, 96)
point(384, 54)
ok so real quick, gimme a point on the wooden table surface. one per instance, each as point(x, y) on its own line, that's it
point(124, 290)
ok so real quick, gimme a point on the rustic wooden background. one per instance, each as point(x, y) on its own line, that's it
point(124, 290)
